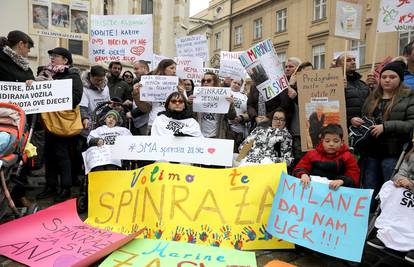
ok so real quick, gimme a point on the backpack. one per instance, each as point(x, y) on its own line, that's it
point(63, 123)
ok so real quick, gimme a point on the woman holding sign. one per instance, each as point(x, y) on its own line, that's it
point(391, 106)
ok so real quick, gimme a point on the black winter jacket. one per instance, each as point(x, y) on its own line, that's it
point(77, 86)
point(119, 88)
point(11, 72)
point(356, 93)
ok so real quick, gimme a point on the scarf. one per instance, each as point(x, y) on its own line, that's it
point(53, 70)
point(185, 114)
point(20, 61)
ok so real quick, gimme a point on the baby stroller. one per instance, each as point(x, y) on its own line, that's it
point(390, 253)
point(97, 119)
point(15, 136)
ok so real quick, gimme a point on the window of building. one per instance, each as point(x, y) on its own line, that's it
point(75, 47)
point(281, 20)
point(238, 35)
point(319, 9)
point(403, 39)
point(318, 55)
point(147, 6)
point(217, 40)
point(108, 7)
point(360, 47)
point(257, 28)
point(282, 58)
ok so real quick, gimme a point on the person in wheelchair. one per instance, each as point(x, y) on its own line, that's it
point(394, 226)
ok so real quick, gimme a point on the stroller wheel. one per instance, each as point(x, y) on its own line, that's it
point(82, 204)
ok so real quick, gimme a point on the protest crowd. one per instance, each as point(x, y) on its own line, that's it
point(372, 149)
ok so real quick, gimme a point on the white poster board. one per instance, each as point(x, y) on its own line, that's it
point(156, 59)
point(192, 46)
point(45, 96)
point(349, 19)
point(121, 38)
point(189, 68)
point(265, 69)
point(230, 65)
point(395, 16)
point(98, 156)
point(156, 88)
point(211, 99)
point(208, 151)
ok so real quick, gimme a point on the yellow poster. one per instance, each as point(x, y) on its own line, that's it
point(216, 207)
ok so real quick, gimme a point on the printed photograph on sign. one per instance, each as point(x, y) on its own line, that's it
point(320, 113)
point(60, 15)
point(79, 21)
point(40, 17)
point(258, 74)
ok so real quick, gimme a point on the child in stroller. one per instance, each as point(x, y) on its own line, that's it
point(14, 136)
point(395, 228)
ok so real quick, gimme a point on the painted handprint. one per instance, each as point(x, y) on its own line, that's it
point(179, 231)
point(266, 235)
point(191, 236)
point(250, 233)
point(135, 228)
point(158, 231)
point(238, 242)
point(147, 233)
point(217, 239)
point(205, 232)
point(226, 230)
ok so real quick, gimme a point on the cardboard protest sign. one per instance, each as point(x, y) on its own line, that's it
point(349, 19)
point(40, 97)
point(192, 46)
point(98, 156)
point(396, 15)
point(209, 151)
point(325, 220)
point(189, 68)
point(156, 59)
point(213, 70)
point(121, 38)
point(265, 69)
point(211, 99)
point(321, 99)
point(220, 207)
point(156, 88)
point(230, 65)
point(353, 53)
point(60, 18)
point(144, 252)
point(56, 236)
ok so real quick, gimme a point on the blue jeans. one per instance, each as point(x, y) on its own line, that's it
point(376, 172)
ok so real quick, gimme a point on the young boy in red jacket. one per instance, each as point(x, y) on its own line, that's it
point(330, 159)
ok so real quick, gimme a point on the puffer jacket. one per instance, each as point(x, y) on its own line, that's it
point(10, 71)
point(119, 88)
point(77, 86)
point(341, 165)
point(397, 128)
point(356, 92)
point(406, 169)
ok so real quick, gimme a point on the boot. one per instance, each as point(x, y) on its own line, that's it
point(49, 191)
point(65, 194)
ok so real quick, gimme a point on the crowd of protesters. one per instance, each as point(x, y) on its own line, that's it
point(269, 129)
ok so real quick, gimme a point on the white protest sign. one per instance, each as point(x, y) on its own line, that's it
point(156, 88)
point(189, 68)
point(170, 148)
point(98, 156)
point(230, 65)
point(213, 70)
point(265, 69)
point(349, 19)
point(211, 99)
point(396, 16)
point(156, 59)
point(46, 96)
point(121, 38)
point(192, 46)
point(355, 54)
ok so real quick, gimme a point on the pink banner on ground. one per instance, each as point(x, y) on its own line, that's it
point(57, 237)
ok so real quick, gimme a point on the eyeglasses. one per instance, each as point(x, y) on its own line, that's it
point(127, 76)
point(55, 56)
point(206, 80)
point(176, 101)
point(279, 119)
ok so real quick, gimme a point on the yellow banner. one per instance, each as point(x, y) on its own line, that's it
point(217, 207)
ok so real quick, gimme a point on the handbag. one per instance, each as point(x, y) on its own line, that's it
point(63, 123)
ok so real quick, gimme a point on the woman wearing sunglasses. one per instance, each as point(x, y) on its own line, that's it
point(177, 119)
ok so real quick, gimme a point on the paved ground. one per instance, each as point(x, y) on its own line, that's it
point(299, 256)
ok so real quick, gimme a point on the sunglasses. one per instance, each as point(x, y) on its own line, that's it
point(127, 76)
point(206, 80)
point(177, 101)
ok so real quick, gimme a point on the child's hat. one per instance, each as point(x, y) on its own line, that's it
point(396, 66)
point(115, 114)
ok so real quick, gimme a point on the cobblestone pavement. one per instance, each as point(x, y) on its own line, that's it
point(299, 256)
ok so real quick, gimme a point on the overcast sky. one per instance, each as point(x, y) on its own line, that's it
point(197, 5)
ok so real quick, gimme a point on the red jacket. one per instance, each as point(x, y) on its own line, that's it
point(341, 165)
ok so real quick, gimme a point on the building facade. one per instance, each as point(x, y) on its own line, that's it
point(297, 28)
point(170, 20)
